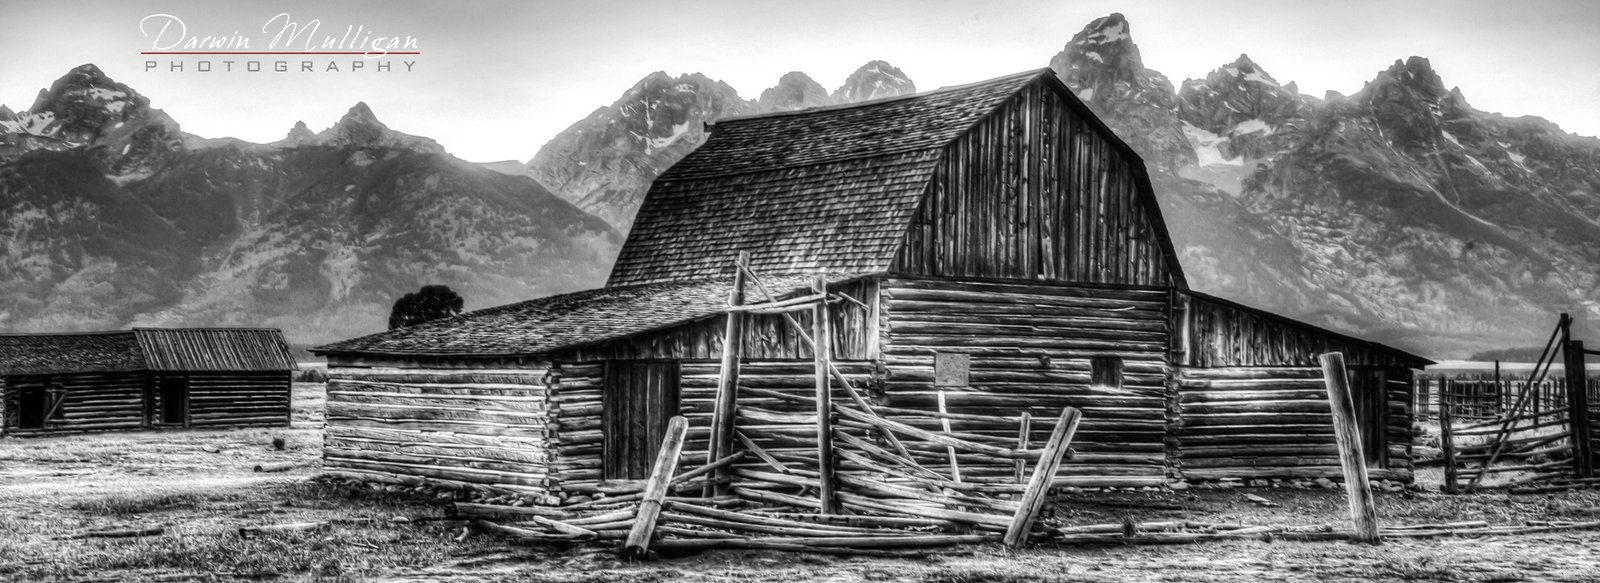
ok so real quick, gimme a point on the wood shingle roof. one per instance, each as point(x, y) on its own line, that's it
point(558, 322)
point(154, 349)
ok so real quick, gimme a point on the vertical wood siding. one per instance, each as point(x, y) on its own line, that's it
point(1031, 348)
point(453, 427)
point(1220, 335)
point(1034, 192)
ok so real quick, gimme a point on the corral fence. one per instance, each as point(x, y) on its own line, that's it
point(1528, 433)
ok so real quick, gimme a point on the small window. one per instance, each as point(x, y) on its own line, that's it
point(1105, 371)
point(950, 369)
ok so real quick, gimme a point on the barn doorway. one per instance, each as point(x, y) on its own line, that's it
point(174, 397)
point(1368, 390)
point(639, 398)
point(33, 407)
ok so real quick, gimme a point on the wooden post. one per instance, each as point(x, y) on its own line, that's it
point(1024, 431)
point(1500, 393)
point(822, 343)
point(955, 468)
point(1578, 409)
point(655, 490)
point(1043, 474)
point(1363, 511)
point(722, 417)
point(1447, 445)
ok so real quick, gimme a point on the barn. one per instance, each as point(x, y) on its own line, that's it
point(144, 378)
point(987, 254)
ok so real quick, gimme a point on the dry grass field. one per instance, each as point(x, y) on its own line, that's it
point(200, 488)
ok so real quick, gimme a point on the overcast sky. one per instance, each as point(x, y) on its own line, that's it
point(496, 80)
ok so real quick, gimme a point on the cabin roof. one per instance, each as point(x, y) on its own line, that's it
point(825, 189)
point(156, 349)
point(559, 322)
point(214, 349)
point(54, 353)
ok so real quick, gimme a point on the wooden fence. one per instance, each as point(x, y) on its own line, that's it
point(1479, 397)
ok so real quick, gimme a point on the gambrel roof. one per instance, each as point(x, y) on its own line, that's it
point(830, 189)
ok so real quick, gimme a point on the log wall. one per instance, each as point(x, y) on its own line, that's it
point(238, 399)
point(1035, 191)
point(93, 402)
point(1031, 348)
point(1275, 422)
point(454, 427)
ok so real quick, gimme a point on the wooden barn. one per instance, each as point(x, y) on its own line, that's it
point(145, 378)
point(990, 254)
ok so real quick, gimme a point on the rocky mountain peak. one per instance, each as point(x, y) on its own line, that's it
point(1103, 49)
point(874, 80)
point(795, 90)
point(359, 128)
point(1414, 75)
point(1103, 67)
point(86, 109)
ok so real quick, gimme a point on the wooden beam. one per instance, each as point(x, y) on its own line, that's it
point(1024, 431)
point(955, 468)
point(1347, 433)
point(655, 490)
point(1578, 402)
point(820, 349)
point(1043, 474)
point(728, 380)
point(1447, 443)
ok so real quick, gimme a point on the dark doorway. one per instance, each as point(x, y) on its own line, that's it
point(174, 395)
point(1368, 391)
point(639, 399)
point(33, 408)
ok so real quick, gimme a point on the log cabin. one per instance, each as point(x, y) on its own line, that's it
point(144, 378)
point(991, 250)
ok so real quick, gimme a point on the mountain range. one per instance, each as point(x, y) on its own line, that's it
point(1399, 213)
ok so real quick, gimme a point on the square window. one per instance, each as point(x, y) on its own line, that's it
point(950, 369)
point(1105, 371)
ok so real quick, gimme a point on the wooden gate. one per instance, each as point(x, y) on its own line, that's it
point(1537, 443)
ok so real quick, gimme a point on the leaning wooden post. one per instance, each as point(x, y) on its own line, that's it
point(1363, 511)
point(1044, 473)
point(1578, 409)
point(1447, 445)
point(728, 381)
point(1024, 429)
point(655, 490)
point(820, 347)
point(955, 467)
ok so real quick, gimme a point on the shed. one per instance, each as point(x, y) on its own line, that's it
point(144, 378)
point(996, 251)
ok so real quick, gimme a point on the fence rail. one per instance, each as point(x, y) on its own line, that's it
point(1476, 398)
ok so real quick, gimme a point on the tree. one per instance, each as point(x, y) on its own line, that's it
point(431, 303)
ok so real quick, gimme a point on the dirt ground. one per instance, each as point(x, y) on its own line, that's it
point(200, 487)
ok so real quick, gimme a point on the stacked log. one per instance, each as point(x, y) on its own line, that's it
point(1261, 422)
point(96, 401)
point(237, 399)
point(465, 427)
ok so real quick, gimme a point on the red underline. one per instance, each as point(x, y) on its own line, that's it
point(280, 53)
